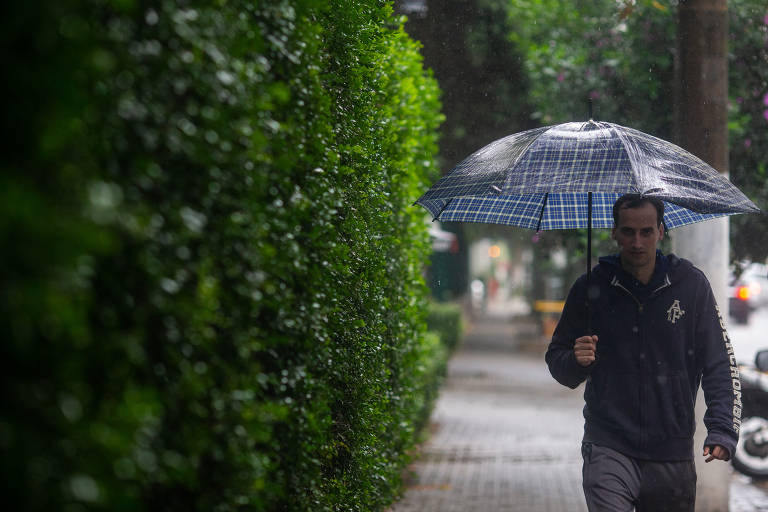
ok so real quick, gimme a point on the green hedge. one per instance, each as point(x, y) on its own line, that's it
point(211, 275)
point(445, 318)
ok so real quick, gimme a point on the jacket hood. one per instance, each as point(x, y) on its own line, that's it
point(670, 265)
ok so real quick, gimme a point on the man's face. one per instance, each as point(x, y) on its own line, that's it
point(637, 234)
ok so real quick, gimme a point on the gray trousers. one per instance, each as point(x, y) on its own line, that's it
point(617, 483)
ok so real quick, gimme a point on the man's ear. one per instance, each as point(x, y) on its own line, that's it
point(613, 233)
point(661, 232)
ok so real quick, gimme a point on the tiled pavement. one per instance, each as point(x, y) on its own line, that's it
point(506, 436)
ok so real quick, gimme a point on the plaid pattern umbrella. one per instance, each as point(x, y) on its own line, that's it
point(569, 175)
point(544, 179)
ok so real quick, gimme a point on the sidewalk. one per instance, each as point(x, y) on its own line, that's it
point(506, 437)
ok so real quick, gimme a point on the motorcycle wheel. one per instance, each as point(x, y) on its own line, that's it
point(751, 457)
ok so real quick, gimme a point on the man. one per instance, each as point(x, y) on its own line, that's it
point(656, 334)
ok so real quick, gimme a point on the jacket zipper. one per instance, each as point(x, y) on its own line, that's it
point(640, 310)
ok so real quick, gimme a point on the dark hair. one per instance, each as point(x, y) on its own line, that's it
point(635, 201)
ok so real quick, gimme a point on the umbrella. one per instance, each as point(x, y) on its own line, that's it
point(569, 175)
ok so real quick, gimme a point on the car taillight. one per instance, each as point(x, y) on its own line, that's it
point(742, 292)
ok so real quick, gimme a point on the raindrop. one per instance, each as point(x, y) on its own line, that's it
point(151, 17)
point(169, 285)
point(105, 195)
point(225, 77)
point(194, 220)
point(84, 488)
point(187, 127)
point(70, 407)
point(211, 137)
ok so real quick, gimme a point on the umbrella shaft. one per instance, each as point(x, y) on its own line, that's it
point(589, 257)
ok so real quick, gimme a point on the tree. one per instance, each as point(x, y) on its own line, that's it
point(484, 86)
point(748, 122)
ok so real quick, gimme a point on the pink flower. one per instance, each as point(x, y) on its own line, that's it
point(747, 143)
point(594, 95)
point(561, 77)
point(765, 99)
point(765, 20)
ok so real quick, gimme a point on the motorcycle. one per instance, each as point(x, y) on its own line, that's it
point(751, 457)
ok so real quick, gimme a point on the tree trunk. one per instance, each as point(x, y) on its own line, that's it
point(701, 128)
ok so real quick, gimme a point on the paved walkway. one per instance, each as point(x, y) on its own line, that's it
point(506, 436)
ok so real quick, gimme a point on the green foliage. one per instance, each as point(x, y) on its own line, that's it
point(621, 55)
point(445, 318)
point(748, 122)
point(212, 277)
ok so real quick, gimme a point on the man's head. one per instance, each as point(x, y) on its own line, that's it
point(638, 229)
point(634, 201)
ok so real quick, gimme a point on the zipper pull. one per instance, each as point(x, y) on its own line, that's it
point(640, 308)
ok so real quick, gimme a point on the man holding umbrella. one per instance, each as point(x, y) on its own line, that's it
point(653, 336)
point(643, 329)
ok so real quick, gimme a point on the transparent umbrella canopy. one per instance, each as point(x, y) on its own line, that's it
point(543, 178)
point(569, 175)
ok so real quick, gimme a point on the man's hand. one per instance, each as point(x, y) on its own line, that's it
point(715, 452)
point(584, 349)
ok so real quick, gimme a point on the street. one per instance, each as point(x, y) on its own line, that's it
point(749, 338)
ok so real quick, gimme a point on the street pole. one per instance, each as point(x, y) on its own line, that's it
point(701, 128)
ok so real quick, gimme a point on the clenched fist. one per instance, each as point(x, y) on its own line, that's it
point(584, 349)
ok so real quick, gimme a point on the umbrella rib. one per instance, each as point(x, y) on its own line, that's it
point(442, 209)
point(541, 213)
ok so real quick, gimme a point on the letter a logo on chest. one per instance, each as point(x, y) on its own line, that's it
point(675, 313)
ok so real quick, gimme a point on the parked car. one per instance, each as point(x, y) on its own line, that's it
point(755, 276)
point(747, 291)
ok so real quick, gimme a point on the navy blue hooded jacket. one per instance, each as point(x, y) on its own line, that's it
point(656, 344)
